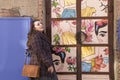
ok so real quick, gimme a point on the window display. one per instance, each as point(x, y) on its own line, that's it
point(81, 32)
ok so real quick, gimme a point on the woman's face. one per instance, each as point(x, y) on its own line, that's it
point(103, 35)
point(57, 63)
point(38, 26)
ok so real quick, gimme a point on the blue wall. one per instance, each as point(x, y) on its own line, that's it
point(13, 36)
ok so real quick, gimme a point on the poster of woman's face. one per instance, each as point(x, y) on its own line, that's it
point(64, 59)
point(96, 31)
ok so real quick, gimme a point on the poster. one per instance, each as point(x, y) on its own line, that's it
point(95, 59)
point(64, 59)
point(95, 31)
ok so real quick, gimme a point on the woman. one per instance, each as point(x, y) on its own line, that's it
point(40, 48)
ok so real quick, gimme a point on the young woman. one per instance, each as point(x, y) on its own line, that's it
point(40, 48)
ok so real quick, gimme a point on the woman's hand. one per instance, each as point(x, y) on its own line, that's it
point(50, 69)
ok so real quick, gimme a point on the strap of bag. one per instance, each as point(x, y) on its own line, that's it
point(27, 57)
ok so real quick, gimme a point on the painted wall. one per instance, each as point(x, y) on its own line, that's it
point(13, 37)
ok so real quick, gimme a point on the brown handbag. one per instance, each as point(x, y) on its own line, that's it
point(30, 70)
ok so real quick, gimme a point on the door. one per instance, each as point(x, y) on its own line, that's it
point(82, 33)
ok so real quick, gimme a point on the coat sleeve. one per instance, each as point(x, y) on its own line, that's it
point(39, 51)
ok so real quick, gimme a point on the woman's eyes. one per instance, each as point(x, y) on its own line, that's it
point(102, 35)
point(37, 24)
point(57, 63)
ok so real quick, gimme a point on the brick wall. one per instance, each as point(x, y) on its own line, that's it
point(117, 9)
point(25, 7)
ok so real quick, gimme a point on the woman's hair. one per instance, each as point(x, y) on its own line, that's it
point(31, 31)
point(100, 24)
point(81, 36)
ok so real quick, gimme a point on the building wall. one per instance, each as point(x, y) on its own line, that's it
point(24, 7)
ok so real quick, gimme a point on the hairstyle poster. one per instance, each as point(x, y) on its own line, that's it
point(63, 32)
point(95, 31)
point(90, 9)
point(64, 59)
point(95, 59)
point(63, 8)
